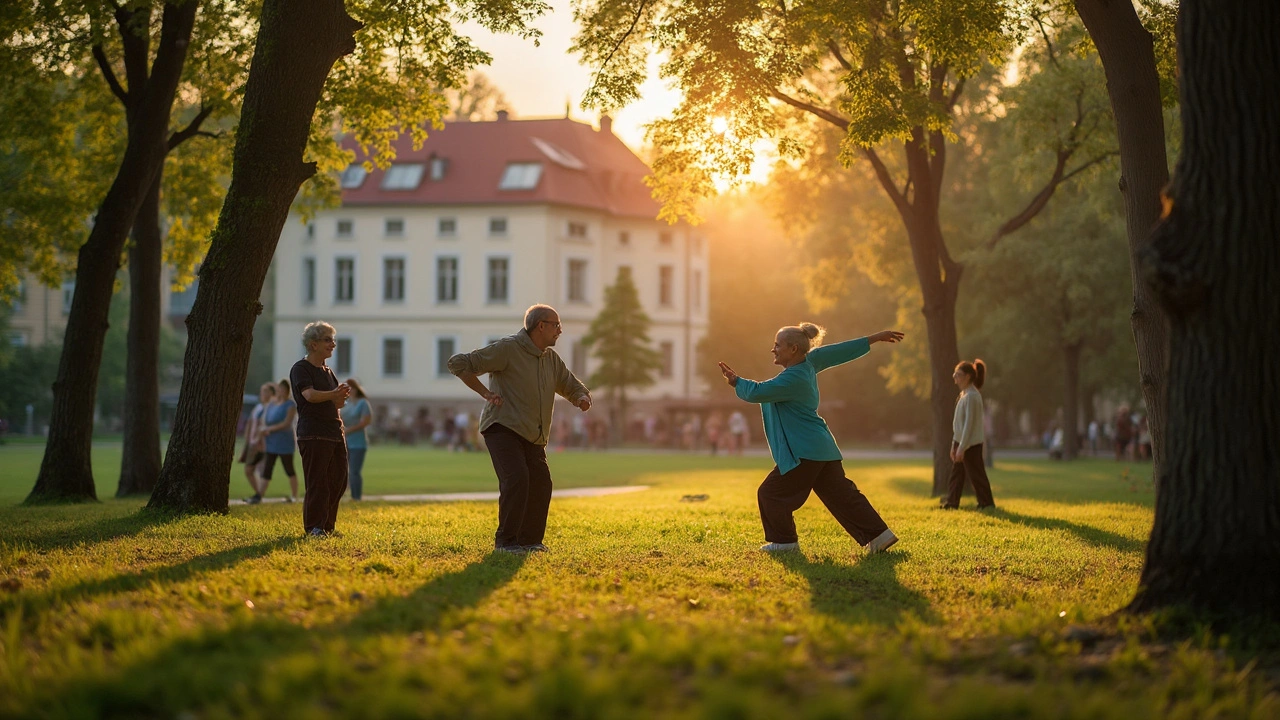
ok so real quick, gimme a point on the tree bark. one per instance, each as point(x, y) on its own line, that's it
point(140, 462)
point(1071, 401)
point(1129, 61)
point(65, 473)
point(298, 43)
point(1214, 265)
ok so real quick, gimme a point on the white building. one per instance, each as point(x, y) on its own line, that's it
point(445, 250)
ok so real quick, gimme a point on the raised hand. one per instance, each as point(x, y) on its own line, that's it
point(730, 376)
point(889, 336)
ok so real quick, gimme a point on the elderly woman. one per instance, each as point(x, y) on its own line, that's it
point(321, 441)
point(806, 454)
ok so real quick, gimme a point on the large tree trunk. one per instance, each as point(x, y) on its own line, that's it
point(1071, 401)
point(140, 462)
point(1129, 60)
point(1214, 265)
point(298, 42)
point(65, 472)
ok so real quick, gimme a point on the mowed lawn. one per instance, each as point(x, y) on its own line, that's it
point(651, 604)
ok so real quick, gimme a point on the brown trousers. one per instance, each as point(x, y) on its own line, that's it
point(974, 469)
point(324, 472)
point(780, 495)
point(524, 487)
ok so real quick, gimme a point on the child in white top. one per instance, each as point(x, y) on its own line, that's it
point(968, 437)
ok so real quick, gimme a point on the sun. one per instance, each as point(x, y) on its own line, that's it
point(719, 125)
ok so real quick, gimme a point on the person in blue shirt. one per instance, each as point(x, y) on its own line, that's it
point(806, 454)
point(277, 423)
point(356, 416)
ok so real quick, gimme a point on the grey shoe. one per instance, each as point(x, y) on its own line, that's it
point(882, 542)
point(255, 500)
point(316, 532)
point(774, 547)
point(536, 547)
point(511, 549)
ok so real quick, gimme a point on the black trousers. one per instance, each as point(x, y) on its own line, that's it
point(973, 468)
point(324, 472)
point(524, 487)
point(780, 495)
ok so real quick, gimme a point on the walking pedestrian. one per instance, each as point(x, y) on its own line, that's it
point(807, 457)
point(280, 443)
point(968, 436)
point(356, 416)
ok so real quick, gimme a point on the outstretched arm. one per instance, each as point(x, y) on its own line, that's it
point(779, 389)
point(829, 356)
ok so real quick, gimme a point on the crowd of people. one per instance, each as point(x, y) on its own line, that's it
point(326, 422)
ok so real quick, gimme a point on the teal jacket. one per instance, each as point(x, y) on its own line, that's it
point(789, 404)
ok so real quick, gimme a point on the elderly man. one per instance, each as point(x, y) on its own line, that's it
point(525, 375)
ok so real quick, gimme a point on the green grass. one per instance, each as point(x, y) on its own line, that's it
point(646, 607)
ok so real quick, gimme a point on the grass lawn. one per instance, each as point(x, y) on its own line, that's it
point(647, 606)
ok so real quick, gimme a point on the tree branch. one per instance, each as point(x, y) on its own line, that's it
point(136, 44)
point(886, 181)
point(618, 45)
point(823, 113)
point(835, 50)
point(1041, 199)
point(193, 128)
point(109, 75)
point(955, 94)
point(1053, 58)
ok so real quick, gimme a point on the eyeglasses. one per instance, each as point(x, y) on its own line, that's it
point(552, 323)
point(328, 339)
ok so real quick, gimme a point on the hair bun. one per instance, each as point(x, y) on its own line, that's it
point(810, 330)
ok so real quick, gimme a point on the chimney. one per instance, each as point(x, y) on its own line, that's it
point(502, 116)
point(606, 124)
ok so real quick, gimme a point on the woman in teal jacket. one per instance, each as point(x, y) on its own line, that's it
point(806, 454)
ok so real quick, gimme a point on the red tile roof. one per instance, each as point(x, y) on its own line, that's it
point(609, 176)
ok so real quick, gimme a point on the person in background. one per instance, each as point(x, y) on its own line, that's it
point(1124, 432)
point(280, 443)
point(356, 416)
point(321, 442)
point(806, 454)
point(737, 431)
point(967, 438)
point(254, 440)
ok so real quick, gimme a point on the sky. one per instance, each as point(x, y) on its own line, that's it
point(537, 81)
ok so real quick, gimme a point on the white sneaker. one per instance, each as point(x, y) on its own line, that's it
point(779, 547)
point(882, 542)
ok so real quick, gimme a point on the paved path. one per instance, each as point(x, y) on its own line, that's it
point(455, 497)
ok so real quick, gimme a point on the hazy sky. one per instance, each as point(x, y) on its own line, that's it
point(537, 81)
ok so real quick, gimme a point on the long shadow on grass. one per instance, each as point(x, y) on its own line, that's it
point(1087, 533)
point(1020, 484)
point(215, 666)
point(867, 592)
point(59, 533)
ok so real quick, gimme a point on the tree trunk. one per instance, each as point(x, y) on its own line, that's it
point(1214, 265)
point(65, 472)
point(1129, 60)
point(298, 42)
point(1071, 402)
point(140, 462)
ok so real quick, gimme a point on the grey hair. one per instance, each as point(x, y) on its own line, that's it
point(536, 314)
point(805, 336)
point(312, 332)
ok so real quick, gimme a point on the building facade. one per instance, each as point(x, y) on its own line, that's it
point(443, 252)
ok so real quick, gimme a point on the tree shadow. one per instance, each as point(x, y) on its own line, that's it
point(46, 536)
point(1022, 485)
point(866, 593)
point(236, 657)
point(1092, 535)
point(127, 582)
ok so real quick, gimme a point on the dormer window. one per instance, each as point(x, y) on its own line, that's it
point(353, 176)
point(402, 176)
point(520, 176)
point(438, 166)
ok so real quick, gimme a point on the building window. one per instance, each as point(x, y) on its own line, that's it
point(447, 226)
point(392, 357)
point(665, 238)
point(311, 231)
point(308, 280)
point(342, 356)
point(696, 242)
point(68, 294)
point(666, 284)
point(578, 231)
point(624, 271)
point(498, 226)
point(445, 349)
point(578, 360)
point(18, 338)
point(499, 283)
point(402, 176)
point(520, 176)
point(393, 279)
point(395, 227)
point(667, 349)
point(438, 167)
point(344, 274)
point(346, 228)
point(353, 176)
point(577, 288)
point(696, 290)
point(624, 238)
point(19, 298)
point(446, 279)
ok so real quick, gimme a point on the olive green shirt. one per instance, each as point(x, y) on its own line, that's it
point(526, 378)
